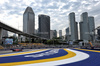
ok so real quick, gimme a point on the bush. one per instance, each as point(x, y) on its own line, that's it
point(52, 42)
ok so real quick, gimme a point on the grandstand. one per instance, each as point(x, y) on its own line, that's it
point(32, 45)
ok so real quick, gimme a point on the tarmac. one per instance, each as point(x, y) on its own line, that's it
point(10, 51)
point(50, 57)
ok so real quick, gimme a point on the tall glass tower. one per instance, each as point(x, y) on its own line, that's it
point(84, 27)
point(29, 21)
point(73, 28)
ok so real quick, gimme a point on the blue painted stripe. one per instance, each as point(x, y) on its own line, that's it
point(93, 60)
point(21, 58)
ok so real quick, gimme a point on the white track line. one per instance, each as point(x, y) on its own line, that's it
point(79, 57)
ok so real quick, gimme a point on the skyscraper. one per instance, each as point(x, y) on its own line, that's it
point(91, 27)
point(67, 31)
point(84, 27)
point(44, 26)
point(67, 34)
point(73, 28)
point(60, 33)
point(29, 21)
point(53, 34)
point(98, 33)
point(4, 33)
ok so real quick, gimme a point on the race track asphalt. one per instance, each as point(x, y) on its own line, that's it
point(52, 57)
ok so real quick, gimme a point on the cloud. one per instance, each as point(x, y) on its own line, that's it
point(11, 11)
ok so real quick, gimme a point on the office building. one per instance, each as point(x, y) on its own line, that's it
point(98, 32)
point(91, 27)
point(60, 33)
point(73, 28)
point(29, 21)
point(55, 33)
point(67, 36)
point(4, 33)
point(44, 26)
point(51, 34)
point(36, 31)
point(84, 27)
point(67, 31)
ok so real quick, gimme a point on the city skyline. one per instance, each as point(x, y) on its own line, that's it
point(13, 10)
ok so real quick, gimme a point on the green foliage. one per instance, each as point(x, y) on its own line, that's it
point(49, 42)
point(52, 42)
point(57, 38)
point(26, 40)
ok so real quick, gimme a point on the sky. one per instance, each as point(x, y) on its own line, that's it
point(11, 11)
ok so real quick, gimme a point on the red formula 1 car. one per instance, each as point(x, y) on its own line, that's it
point(16, 50)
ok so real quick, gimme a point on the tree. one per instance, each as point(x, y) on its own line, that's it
point(26, 40)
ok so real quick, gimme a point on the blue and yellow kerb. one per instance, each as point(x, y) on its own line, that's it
point(37, 56)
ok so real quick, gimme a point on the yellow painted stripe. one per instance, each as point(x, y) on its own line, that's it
point(69, 55)
point(87, 50)
point(21, 53)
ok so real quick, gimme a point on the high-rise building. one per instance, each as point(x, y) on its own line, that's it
point(73, 28)
point(67, 31)
point(60, 33)
point(36, 31)
point(98, 32)
point(44, 26)
point(84, 27)
point(29, 21)
point(67, 36)
point(91, 27)
point(4, 33)
point(53, 34)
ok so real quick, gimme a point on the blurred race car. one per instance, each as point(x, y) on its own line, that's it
point(16, 50)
